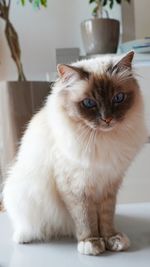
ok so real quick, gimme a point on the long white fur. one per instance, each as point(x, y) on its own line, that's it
point(52, 152)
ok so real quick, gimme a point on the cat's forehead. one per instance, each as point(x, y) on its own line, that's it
point(103, 75)
point(98, 78)
point(101, 83)
point(96, 66)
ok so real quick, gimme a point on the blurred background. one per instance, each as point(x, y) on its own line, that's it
point(41, 32)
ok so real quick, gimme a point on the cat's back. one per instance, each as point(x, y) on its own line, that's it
point(35, 148)
point(37, 131)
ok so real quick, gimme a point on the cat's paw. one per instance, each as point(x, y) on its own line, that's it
point(117, 242)
point(91, 246)
point(22, 237)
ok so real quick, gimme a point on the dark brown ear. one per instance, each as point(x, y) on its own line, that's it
point(126, 61)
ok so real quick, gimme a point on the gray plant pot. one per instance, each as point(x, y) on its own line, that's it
point(100, 36)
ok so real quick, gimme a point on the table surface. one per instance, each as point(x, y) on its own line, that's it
point(133, 219)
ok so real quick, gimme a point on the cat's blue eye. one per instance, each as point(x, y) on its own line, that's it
point(118, 98)
point(89, 103)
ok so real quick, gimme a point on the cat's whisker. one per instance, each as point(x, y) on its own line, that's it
point(94, 140)
point(80, 128)
point(92, 144)
point(89, 142)
point(84, 134)
point(83, 137)
point(85, 144)
point(95, 137)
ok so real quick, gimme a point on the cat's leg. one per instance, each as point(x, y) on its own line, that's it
point(24, 234)
point(86, 222)
point(114, 241)
point(32, 204)
point(25, 215)
point(35, 207)
point(84, 213)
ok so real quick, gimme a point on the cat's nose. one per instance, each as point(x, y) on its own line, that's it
point(107, 120)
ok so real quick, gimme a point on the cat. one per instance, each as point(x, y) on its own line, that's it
point(74, 154)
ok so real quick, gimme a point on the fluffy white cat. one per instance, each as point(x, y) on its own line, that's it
point(74, 154)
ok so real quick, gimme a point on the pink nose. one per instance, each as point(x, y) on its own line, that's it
point(108, 120)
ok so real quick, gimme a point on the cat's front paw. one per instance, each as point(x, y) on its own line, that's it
point(91, 246)
point(117, 242)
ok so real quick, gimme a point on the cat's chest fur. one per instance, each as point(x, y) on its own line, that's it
point(90, 171)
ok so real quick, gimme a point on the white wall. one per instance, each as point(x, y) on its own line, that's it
point(41, 32)
point(142, 18)
point(136, 19)
point(136, 185)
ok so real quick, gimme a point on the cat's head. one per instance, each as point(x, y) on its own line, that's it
point(98, 94)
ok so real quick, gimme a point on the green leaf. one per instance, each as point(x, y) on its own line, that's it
point(44, 3)
point(35, 3)
point(23, 2)
point(118, 2)
point(105, 2)
point(94, 12)
point(91, 1)
point(111, 3)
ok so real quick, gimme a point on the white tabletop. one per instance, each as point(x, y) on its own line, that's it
point(133, 219)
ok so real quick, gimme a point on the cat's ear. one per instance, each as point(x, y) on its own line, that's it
point(125, 62)
point(67, 72)
point(70, 74)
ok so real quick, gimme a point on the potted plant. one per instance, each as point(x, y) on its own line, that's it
point(18, 99)
point(11, 34)
point(101, 35)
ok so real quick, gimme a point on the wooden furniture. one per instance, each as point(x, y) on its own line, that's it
point(18, 102)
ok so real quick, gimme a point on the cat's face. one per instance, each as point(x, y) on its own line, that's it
point(100, 101)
